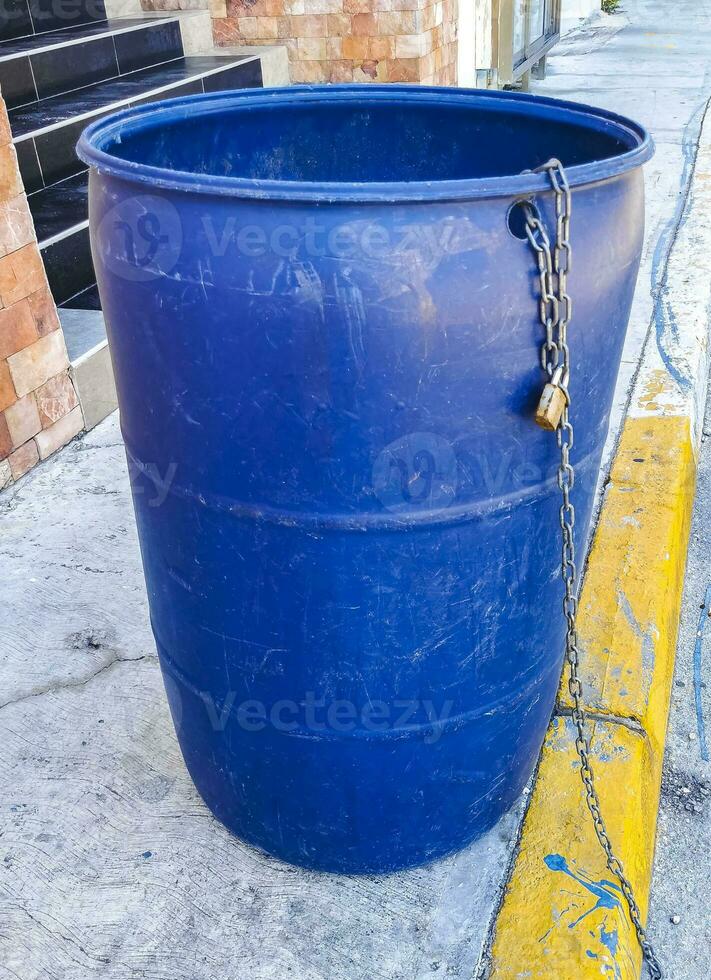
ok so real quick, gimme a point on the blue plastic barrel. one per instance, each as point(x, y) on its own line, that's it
point(323, 322)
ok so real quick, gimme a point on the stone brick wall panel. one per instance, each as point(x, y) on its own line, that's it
point(23, 459)
point(55, 399)
point(39, 411)
point(351, 40)
point(33, 366)
point(16, 228)
point(23, 420)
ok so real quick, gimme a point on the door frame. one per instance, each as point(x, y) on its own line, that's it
point(494, 65)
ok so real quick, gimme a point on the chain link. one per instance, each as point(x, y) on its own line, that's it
point(555, 311)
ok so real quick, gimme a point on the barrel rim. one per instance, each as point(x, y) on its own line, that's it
point(95, 137)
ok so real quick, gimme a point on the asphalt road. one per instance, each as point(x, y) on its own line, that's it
point(680, 913)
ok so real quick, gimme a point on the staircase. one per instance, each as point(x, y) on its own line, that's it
point(63, 65)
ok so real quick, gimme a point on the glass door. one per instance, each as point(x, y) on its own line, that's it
point(535, 26)
point(510, 39)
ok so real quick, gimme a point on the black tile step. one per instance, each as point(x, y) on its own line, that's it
point(45, 133)
point(149, 83)
point(61, 207)
point(60, 210)
point(88, 299)
point(22, 18)
point(71, 35)
point(60, 214)
point(27, 77)
point(67, 262)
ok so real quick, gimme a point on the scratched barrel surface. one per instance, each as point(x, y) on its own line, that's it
point(322, 314)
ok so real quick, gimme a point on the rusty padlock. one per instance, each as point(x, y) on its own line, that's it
point(553, 400)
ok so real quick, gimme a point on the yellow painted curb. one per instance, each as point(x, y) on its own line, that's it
point(631, 597)
point(562, 915)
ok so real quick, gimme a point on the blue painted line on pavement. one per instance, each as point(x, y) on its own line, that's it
point(664, 318)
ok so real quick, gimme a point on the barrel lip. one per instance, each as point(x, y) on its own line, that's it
point(95, 137)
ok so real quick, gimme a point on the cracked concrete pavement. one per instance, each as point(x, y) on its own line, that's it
point(112, 865)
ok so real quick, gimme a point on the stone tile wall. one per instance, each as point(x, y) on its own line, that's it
point(39, 410)
point(349, 40)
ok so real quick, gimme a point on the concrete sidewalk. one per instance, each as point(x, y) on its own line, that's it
point(650, 61)
point(112, 865)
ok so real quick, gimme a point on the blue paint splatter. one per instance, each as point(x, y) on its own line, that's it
point(663, 316)
point(698, 649)
point(646, 638)
point(606, 899)
point(604, 892)
point(610, 939)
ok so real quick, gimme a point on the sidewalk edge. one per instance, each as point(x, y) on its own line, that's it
point(562, 914)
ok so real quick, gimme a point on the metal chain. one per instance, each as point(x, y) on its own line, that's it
point(555, 310)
